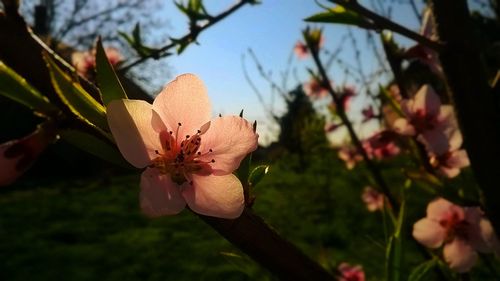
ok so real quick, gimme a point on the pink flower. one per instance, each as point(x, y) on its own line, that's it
point(346, 95)
point(301, 50)
point(17, 156)
point(314, 89)
point(350, 155)
point(368, 114)
point(448, 159)
point(188, 158)
point(381, 145)
point(462, 231)
point(350, 273)
point(84, 62)
point(373, 199)
point(425, 116)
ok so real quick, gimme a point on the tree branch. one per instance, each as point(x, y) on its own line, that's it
point(381, 22)
point(374, 170)
point(188, 38)
point(254, 237)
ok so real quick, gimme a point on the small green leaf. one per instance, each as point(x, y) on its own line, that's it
point(16, 88)
point(339, 15)
point(95, 146)
point(395, 248)
point(109, 84)
point(419, 272)
point(257, 174)
point(81, 103)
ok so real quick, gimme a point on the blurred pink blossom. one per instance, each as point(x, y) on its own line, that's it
point(346, 95)
point(351, 273)
point(188, 158)
point(462, 231)
point(373, 199)
point(17, 156)
point(381, 145)
point(448, 159)
point(314, 89)
point(84, 62)
point(368, 114)
point(301, 50)
point(426, 117)
point(350, 155)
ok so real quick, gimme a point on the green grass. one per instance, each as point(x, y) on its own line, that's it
point(93, 229)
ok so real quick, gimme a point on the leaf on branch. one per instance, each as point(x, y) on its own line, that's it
point(109, 84)
point(95, 146)
point(16, 88)
point(394, 252)
point(339, 15)
point(81, 103)
point(135, 42)
point(257, 174)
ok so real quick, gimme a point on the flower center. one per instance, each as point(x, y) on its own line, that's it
point(181, 157)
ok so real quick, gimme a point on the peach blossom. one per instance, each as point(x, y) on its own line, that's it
point(462, 231)
point(381, 145)
point(350, 273)
point(350, 155)
point(373, 199)
point(189, 159)
point(84, 62)
point(314, 89)
point(301, 50)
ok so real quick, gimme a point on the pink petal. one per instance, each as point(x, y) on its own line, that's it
point(449, 172)
point(459, 255)
point(403, 127)
point(216, 196)
point(446, 117)
point(440, 209)
point(185, 101)
point(230, 138)
point(455, 139)
point(436, 141)
point(458, 159)
point(159, 195)
point(490, 242)
point(130, 122)
point(429, 233)
point(427, 101)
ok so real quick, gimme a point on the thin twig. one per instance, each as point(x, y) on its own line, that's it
point(381, 23)
point(188, 38)
point(377, 175)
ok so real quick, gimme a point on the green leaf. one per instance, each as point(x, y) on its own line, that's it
point(419, 272)
point(81, 103)
point(257, 174)
point(16, 88)
point(95, 146)
point(339, 15)
point(109, 84)
point(395, 248)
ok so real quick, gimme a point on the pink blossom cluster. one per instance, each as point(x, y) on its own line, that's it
point(435, 126)
point(463, 231)
point(373, 199)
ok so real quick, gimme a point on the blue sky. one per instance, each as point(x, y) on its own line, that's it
point(270, 29)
